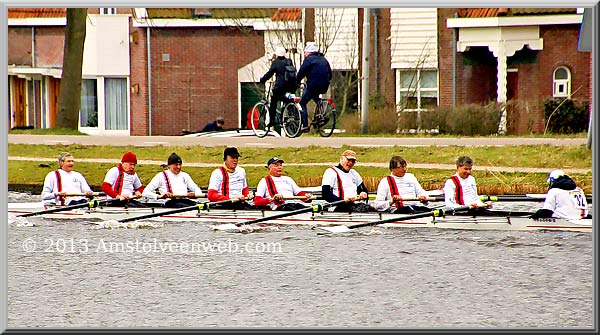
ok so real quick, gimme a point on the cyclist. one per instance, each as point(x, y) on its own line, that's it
point(318, 75)
point(280, 88)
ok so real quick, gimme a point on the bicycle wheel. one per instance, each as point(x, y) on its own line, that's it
point(291, 120)
point(326, 119)
point(260, 119)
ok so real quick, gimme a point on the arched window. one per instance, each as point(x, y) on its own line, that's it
point(562, 82)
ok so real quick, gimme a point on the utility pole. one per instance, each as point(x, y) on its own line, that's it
point(364, 105)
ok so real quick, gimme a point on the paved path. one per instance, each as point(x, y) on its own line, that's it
point(412, 165)
point(278, 142)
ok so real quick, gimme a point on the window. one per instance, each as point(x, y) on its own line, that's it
point(562, 82)
point(417, 90)
point(115, 101)
point(89, 103)
point(108, 11)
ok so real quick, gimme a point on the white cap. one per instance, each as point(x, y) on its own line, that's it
point(349, 154)
point(554, 174)
point(310, 47)
point(280, 51)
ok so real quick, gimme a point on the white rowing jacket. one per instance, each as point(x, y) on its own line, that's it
point(469, 192)
point(571, 205)
point(180, 184)
point(350, 181)
point(237, 182)
point(71, 182)
point(285, 186)
point(408, 187)
point(131, 182)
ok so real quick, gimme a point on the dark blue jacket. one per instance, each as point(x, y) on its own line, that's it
point(316, 69)
point(278, 69)
point(211, 126)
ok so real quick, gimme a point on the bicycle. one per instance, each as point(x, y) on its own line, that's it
point(289, 119)
point(324, 116)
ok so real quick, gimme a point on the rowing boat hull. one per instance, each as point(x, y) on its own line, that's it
point(217, 216)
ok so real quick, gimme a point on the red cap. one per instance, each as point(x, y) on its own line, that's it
point(129, 157)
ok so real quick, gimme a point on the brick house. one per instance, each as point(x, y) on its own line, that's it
point(190, 78)
point(476, 55)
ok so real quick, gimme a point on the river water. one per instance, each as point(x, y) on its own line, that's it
point(183, 275)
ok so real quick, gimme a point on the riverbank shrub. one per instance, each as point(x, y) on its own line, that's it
point(466, 120)
point(565, 116)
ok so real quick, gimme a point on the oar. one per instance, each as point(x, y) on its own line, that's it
point(296, 197)
point(200, 206)
point(89, 204)
point(433, 213)
point(186, 196)
point(519, 197)
point(417, 199)
point(85, 195)
point(313, 208)
point(508, 197)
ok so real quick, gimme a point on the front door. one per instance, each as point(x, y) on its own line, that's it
point(19, 102)
point(512, 85)
point(53, 100)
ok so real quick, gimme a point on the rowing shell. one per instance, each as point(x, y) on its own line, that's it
point(221, 219)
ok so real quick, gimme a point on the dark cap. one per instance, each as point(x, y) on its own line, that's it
point(174, 159)
point(231, 151)
point(274, 160)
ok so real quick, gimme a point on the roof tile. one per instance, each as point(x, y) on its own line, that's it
point(287, 14)
point(22, 13)
point(494, 12)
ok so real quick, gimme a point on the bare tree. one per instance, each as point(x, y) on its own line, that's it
point(70, 84)
point(327, 27)
point(345, 81)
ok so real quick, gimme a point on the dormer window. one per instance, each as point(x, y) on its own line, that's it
point(562, 82)
point(108, 11)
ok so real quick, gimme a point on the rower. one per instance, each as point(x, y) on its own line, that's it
point(272, 189)
point(397, 186)
point(229, 182)
point(63, 181)
point(123, 182)
point(563, 200)
point(343, 182)
point(461, 189)
point(171, 183)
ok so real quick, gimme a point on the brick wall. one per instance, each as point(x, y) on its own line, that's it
point(385, 74)
point(49, 45)
point(445, 49)
point(199, 82)
point(19, 46)
point(138, 55)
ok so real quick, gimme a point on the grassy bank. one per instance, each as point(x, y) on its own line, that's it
point(534, 156)
point(29, 175)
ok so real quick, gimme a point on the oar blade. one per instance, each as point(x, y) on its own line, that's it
point(115, 224)
point(335, 229)
point(225, 227)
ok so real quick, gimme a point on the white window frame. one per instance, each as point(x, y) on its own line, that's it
point(101, 96)
point(418, 92)
point(561, 88)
